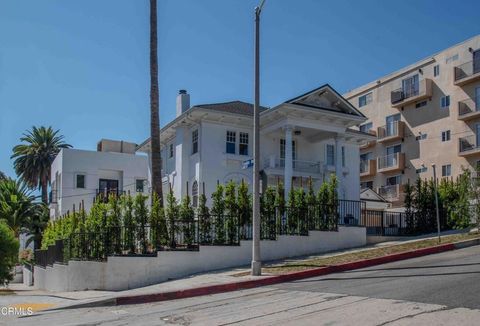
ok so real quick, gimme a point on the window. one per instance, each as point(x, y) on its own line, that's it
point(195, 194)
point(139, 185)
point(170, 152)
point(421, 170)
point(80, 181)
point(195, 141)
point(410, 86)
point(366, 184)
point(395, 180)
point(445, 101)
point(446, 170)
point(330, 154)
point(421, 137)
point(282, 150)
point(446, 135)
point(243, 147)
point(231, 140)
point(366, 127)
point(420, 104)
point(436, 70)
point(343, 156)
point(365, 99)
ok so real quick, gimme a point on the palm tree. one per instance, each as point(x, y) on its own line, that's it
point(2, 176)
point(34, 157)
point(156, 159)
point(16, 204)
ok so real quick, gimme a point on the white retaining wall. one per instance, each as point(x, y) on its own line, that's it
point(121, 273)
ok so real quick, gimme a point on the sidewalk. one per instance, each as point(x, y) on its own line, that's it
point(53, 300)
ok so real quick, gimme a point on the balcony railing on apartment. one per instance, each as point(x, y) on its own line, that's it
point(391, 192)
point(469, 108)
point(466, 72)
point(391, 162)
point(298, 165)
point(468, 145)
point(406, 95)
point(391, 131)
point(367, 167)
point(371, 142)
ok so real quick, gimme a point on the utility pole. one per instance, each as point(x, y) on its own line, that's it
point(436, 200)
point(256, 261)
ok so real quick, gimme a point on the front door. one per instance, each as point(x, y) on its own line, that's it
point(108, 186)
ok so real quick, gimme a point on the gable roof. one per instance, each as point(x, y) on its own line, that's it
point(314, 99)
point(368, 194)
point(236, 107)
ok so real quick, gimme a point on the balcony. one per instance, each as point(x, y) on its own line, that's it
point(303, 167)
point(371, 143)
point(391, 193)
point(468, 146)
point(404, 96)
point(466, 73)
point(391, 132)
point(469, 109)
point(391, 163)
point(368, 168)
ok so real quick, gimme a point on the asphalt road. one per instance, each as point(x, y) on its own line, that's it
point(440, 289)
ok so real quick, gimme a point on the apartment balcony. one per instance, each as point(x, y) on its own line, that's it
point(468, 109)
point(391, 132)
point(371, 143)
point(466, 73)
point(391, 163)
point(393, 193)
point(277, 166)
point(468, 146)
point(368, 168)
point(405, 96)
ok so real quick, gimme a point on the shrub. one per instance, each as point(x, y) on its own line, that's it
point(187, 218)
point(218, 208)
point(8, 253)
point(231, 212)
point(205, 223)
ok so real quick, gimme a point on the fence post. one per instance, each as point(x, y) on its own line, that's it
point(383, 223)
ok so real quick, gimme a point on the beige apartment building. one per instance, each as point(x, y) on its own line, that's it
point(426, 113)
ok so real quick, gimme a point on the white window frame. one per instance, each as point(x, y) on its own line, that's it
point(231, 138)
point(327, 146)
point(436, 70)
point(445, 102)
point(446, 135)
point(446, 170)
point(367, 99)
point(195, 141)
point(243, 139)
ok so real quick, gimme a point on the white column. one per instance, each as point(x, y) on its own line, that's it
point(339, 166)
point(288, 161)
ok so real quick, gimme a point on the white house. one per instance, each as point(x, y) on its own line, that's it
point(307, 136)
point(81, 175)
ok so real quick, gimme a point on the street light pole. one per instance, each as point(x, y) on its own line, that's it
point(436, 200)
point(256, 262)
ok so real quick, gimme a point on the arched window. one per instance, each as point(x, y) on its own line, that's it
point(195, 194)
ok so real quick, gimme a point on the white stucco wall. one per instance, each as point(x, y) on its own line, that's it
point(120, 273)
point(125, 168)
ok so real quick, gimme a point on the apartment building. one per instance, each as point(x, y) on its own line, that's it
point(426, 113)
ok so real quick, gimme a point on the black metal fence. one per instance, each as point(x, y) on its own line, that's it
point(382, 223)
point(53, 254)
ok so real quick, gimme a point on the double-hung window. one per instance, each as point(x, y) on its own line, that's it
point(446, 170)
point(231, 141)
point(445, 102)
point(195, 141)
point(445, 135)
point(243, 146)
point(365, 99)
point(330, 154)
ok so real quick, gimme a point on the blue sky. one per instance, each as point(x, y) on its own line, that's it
point(82, 66)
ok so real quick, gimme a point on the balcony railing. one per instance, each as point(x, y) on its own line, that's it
point(466, 72)
point(391, 131)
point(391, 162)
point(367, 167)
point(468, 109)
point(468, 145)
point(406, 95)
point(298, 165)
point(391, 192)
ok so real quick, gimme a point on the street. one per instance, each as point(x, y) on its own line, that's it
point(438, 289)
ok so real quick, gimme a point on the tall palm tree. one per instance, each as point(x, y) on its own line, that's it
point(2, 176)
point(156, 159)
point(34, 157)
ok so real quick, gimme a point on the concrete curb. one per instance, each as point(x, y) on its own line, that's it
point(242, 285)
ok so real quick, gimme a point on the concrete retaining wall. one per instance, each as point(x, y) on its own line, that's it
point(121, 273)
